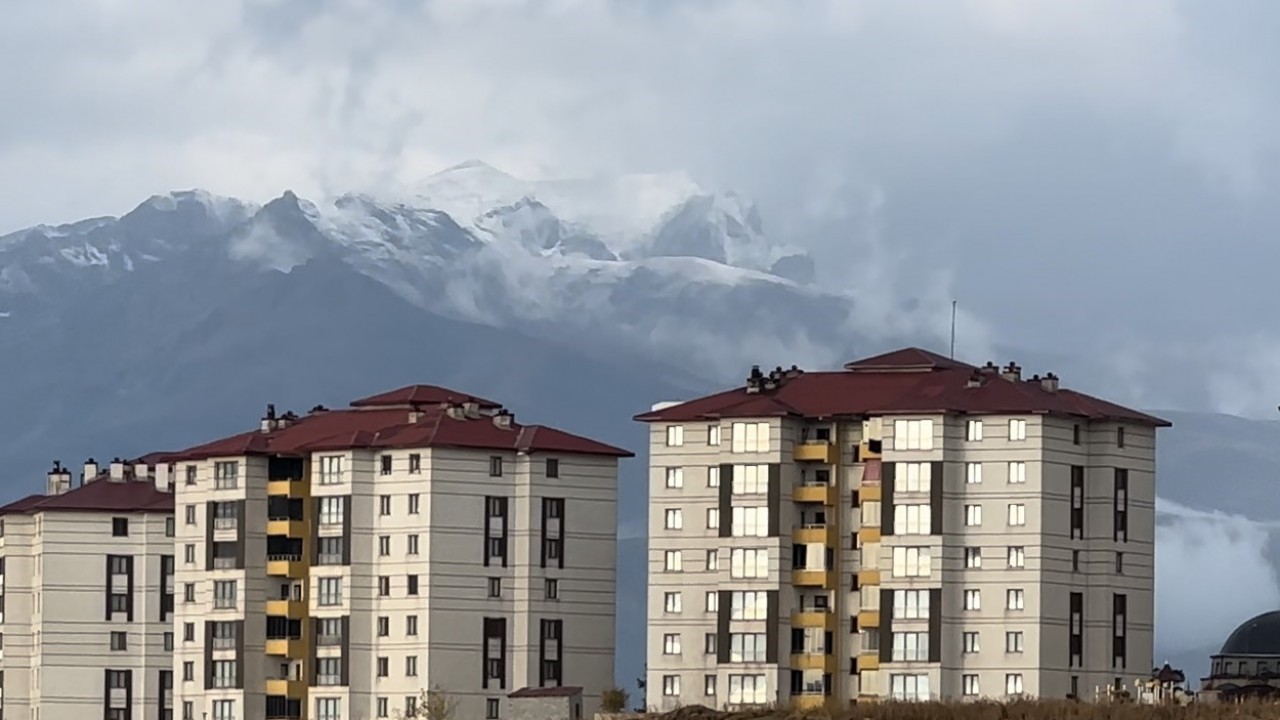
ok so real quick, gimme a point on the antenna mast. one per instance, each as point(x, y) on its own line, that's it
point(953, 329)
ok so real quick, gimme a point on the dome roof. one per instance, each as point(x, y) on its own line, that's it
point(1255, 636)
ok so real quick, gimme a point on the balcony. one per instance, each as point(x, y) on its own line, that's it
point(288, 566)
point(808, 701)
point(286, 688)
point(814, 533)
point(287, 527)
point(292, 609)
point(813, 578)
point(289, 488)
point(824, 619)
point(870, 492)
point(870, 661)
point(868, 619)
point(868, 577)
point(869, 450)
point(868, 535)
point(813, 661)
point(292, 648)
point(814, 493)
point(819, 451)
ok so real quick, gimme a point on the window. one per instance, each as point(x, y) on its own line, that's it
point(910, 646)
point(1120, 511)
point(384, 667)
point(119, 641)
point(675, 435)
point(413, 504)
point(973, 430)
point(973, 557)
point(972, 599)
point(491, 707)
point(330, 591)
point(713, 560)
point(189, 553)
point(224, 594)
point(168, 642)
point(909, 687)
point(411, 666)
point(673, 561)
point(971, 644)
point(910, 604)
point(671, 683)
point(750, 522)
point(1017, 514)
point(226, 475)
point(411, 545)
point(1119, 563)
point(412, 585)
point(674, 519)
point(1017, 429)
point(748, 690)
point(411, 626)
point(384, 467)
point(911, 562)
point(912, 520)
point(671, 602)
point(972, 515)
point(1015, 600)
point(1017, 472)
point(1119, 437)
point(713, 476)
point(384, 545)
point(1075, 434)
point(747, 647)
point(188, 592)
point(750, 437)
point(675, 478)
point(190, 513)
point(969, 685)
point(331, 470)
point(1013, 641)
point(1017, 557)
point(191, 474)
point(713, 518)
point(328, 709)
point(119, 527)
point(912, 434)
point(713, 434)
point(551, 589)
point(914, 477)
point(384, 505)
point(749, 605)
point(329, 671)
point(750, 479)
point(671, 644)
point(331, 510)
point(188, 710)
point(224, 673)
point(168, 527)
point(713, 601)
point(224, 709)
point(384, 626)
point(188, 671)
point(1013, 684)
point(1075, 561)
point(384, 586)
point(495, 466)
point(709, 684)
point(973, 473)
point(748, 563)
point(415, 467)
point(553, 468)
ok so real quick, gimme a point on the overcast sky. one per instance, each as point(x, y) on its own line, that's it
point(1094, 176)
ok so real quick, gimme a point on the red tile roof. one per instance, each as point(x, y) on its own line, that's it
point(100, 495)
point(536, 692)
point(906, 381)
point(375, 424)
point(410, 395)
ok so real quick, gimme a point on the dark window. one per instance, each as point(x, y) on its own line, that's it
point(415, 463)
point(1075, 561)
point(491, 706)
point(384, 626)
point(188, 671)
point(329, 551)
point(119, 564)
point(495, 466)
point(553, 589)
point(386, 465)
point(384, 586)
point(1119, 563)
point(494, 653)
point(495, 530)
point(1119, 629)
point(413, 584)
point(495, 587)
point(1119, 437)
point(1075, 434)
point(1121, 514)
point(117, 679)
point(119, 527)
point(1075, 631)
point(553, 532)
point(168, 642)
point(1075, 686)
point(709, 644)
point(550, 648)
point(188, 592)
point(119, 641)
point(1077, 502)
point(553, 468)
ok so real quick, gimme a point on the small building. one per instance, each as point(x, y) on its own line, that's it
point(1248, 666)
point(545, 703)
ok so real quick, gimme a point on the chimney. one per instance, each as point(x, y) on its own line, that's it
point(471, 409)
point(117, 470)
point(975, 379)
point(1012, 372)
point(269, 420)
point(90, 471)
point(59, 480)
point(989, 369)
point(285, 420)
point(455, 411)
point(164, 477)
point(755, 379)
point(318, 409)
point(1049, 382)
point(503, 419)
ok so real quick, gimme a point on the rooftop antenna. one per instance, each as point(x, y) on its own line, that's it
point(953, 329)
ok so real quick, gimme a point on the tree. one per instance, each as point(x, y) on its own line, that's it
point(432, 704)
point(614, 700)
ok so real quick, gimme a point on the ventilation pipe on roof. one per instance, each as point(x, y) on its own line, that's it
point(975, 379)
point(755, 380)
point(163, 478)
point(503, 419)
point(455, 411)
point(471, 410)
point(318, 409)
point(1049, 382)
point(269, 420)
point(90, 471)
point(117, 470)
point(1011, 372)
point(59, 480)
point(989, 369)
point(286, 420)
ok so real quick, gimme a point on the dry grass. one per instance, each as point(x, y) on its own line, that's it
point(1029, 710)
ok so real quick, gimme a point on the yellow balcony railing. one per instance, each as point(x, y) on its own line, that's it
point(825, 494)
point(869, 535)
point(292, 609)
point(813, 661)
point(293, 648)
point(819, 451)
point(866, 453)
point(868, 577)
point(287, 688)
point(288, 566)
point(808, 701)
point(813, 578)
point(868, 619)
point(814, 619)
point(870, 661)
point(290, 528)
point(289, 488)
point(814, 534)
point(869, 492)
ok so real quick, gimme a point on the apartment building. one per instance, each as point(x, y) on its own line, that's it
point(909, 527)
point(335, 565)
point(86, 597)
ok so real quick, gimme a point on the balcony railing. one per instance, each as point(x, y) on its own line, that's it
point(328, 640)
point(225, 523)
point(224, 643)
point(224, 563)
point(290, 557)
